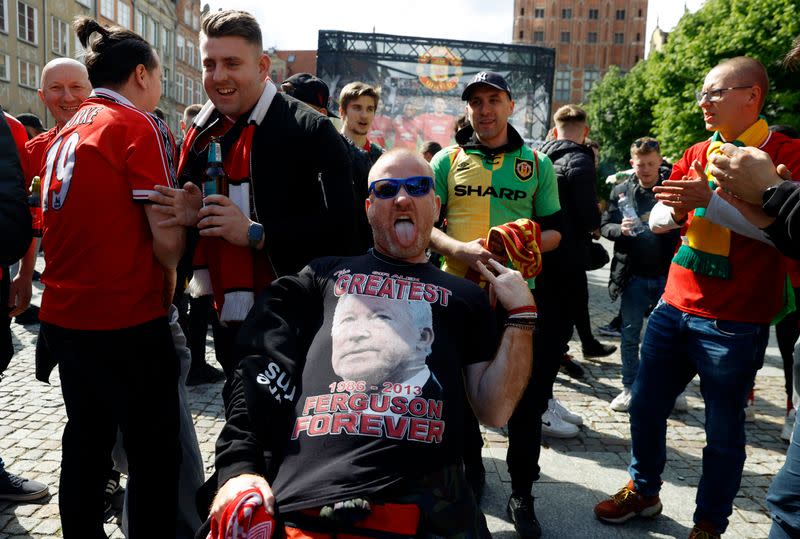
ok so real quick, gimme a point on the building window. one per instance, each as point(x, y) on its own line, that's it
point(59, 36)
point(187, 15)
point(4, 16)
point(189, 91)
point(522, 12)
point(165, 77)
point(123, 14)
point(590, 78)
point(151, 30)
point(179, 87)
point(198, 93)
point(196, 21)
point(594, 14)
point(168, 43)
point(638, 37)
point(635, 58)
point(86, 3)
point(564, 37)
point(28, 74)
point(592, 37)
point(27, 23)
point(566, 13)
point(562, 86)
point(538, 36)
point(620, 15)
point(179, 47)
point(619, 38)
point(538, 13)
point(107, 9)
point(138, 22)
point(640, 12)
point(5, 67)
point(190, 53)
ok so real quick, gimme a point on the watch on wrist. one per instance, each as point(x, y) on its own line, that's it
point(255, 233)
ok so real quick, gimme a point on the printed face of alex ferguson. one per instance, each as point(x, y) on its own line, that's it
point(379, 340)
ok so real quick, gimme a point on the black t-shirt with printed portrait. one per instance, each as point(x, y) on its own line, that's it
point(351, 379)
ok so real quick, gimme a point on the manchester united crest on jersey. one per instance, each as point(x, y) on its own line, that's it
point(523, 169)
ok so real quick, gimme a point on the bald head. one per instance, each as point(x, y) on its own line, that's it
point(400, 161)
point(747, 71)
point(65, 85)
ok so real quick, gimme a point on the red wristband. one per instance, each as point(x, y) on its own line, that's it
point(525, 309)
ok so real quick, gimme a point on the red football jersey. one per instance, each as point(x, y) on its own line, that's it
point(437, 128)
point(101, 272)
point(20, 137)
point(380, 130)
point(35, 149)
point(406, 132)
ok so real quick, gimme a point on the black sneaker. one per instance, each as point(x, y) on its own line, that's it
point(598, 349)
point(112, 487)
point(520, 511)
point(18, 489)
point(609, 330)
point(204, 375)
point(28, 317)
point(569, 366)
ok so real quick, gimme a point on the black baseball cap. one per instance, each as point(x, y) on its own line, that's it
point(489, 78)
point(309, 89)
point(31, 120)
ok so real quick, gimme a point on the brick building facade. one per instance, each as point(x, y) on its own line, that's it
point(588, 36)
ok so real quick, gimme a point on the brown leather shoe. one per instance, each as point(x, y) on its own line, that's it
point(626, 504)
point(704, 530)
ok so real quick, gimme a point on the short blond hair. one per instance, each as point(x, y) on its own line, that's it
point(570, 114)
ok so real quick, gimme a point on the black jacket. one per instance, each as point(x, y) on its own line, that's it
point(302, 185)
point(784, 205)
point(575, 170)
point(15, 217)
point(647, 255)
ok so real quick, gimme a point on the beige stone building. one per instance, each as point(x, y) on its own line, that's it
point(588, 36)
point(33, 32)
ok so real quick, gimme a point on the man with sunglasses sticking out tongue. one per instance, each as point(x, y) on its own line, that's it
point(490, 178)
point(724, 287)
point(347, 404)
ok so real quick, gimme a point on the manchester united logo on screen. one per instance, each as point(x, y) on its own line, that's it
point(439, 69)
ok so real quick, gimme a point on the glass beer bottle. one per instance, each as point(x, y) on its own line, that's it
point(215, 181)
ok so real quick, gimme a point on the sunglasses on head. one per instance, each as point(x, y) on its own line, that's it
point(415, 186)
point(652, 144)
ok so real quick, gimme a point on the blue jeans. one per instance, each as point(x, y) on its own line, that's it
point(640, 293)
point(783, 497)
point(727, 356)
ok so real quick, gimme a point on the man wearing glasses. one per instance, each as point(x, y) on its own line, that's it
point(723, 289)
point(323, 423)
point(490, 177)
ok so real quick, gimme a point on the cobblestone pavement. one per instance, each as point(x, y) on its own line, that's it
point(32, 418)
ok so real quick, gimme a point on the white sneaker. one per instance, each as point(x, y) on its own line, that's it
point(750, 411)
point(788, 425)
point(681, 404)
point(561, 411)
point(622, 402)
point(554, 426)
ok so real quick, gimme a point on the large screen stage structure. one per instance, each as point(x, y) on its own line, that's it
point(421, 80)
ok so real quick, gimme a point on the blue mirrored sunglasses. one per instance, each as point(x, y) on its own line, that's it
point(416, 186)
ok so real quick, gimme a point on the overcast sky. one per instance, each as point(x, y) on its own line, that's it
point(294, 24)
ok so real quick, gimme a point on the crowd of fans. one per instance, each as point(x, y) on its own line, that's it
point(399, 297)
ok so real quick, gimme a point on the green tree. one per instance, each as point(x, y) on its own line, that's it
point(657, 96)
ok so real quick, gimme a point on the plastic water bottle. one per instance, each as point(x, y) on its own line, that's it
point(628, 211)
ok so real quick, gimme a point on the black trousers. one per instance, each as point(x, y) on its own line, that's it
point(525, 425)
point(201, 312)
point(576, 295)
point(786, 333)
point(126, 379)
